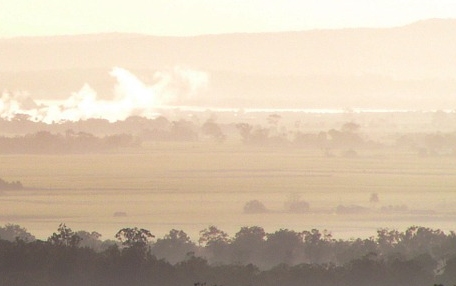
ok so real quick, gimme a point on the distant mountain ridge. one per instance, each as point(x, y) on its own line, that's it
point(294, 64)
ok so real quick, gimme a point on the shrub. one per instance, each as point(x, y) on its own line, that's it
point(254, 206)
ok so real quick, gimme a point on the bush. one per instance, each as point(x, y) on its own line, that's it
point(254, 206)
point(16, 185)
point(297, 207)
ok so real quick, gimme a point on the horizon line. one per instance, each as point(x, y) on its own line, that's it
point(196, 35)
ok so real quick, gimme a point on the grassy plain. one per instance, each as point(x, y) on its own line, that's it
point(191, 185)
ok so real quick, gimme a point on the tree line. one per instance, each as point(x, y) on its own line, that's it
point(416, 256)
point(95, 135)
point(14, 185)
point(70, 142)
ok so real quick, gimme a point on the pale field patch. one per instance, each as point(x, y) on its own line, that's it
point(192, 185)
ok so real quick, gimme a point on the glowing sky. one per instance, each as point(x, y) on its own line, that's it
point(194, 17)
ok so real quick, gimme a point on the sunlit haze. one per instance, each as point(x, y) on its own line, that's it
point(195, 17)
point(228, 142)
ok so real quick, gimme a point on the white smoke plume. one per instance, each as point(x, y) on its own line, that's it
point(131, 97)
point(12, 103)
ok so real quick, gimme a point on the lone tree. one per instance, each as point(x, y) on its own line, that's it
point(374, 198)
point(134, 237)
point(254, 207)
point(296, 205)
point(64, 237)
point(213, 236)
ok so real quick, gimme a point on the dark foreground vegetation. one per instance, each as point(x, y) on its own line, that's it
point(417, 256)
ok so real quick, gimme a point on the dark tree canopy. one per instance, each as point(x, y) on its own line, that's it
point(65, 237)
point(134, 237)
point(418, 256)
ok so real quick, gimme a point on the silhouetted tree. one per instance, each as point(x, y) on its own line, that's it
point(284, 246)
point(388, 240)
point(174, 247)
point(248, 245)
point(90, 239)
point(318, 246)
point(346, 251)
point(212, 235)
point(254, 207)
point(11, 232)
point(216, 243)
point(418, 240)
point(64, 237)
point(134, 237)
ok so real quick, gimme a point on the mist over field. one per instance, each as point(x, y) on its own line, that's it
point(322, 157)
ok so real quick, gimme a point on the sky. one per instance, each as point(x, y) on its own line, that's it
point(196, 17)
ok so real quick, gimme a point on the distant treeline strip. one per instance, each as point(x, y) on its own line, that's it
point(26, 136)
point(15, 185)
point(81, 142)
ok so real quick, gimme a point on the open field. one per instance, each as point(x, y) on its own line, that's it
point(191, 185)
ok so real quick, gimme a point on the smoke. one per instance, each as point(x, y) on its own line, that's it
point(13, 103)
point(131, 96)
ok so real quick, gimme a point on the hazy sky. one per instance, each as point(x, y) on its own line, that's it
point(193, 17)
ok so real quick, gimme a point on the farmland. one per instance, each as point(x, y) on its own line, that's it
point(191, 185)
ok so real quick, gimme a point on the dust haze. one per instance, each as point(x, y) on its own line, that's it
point(343, 136)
